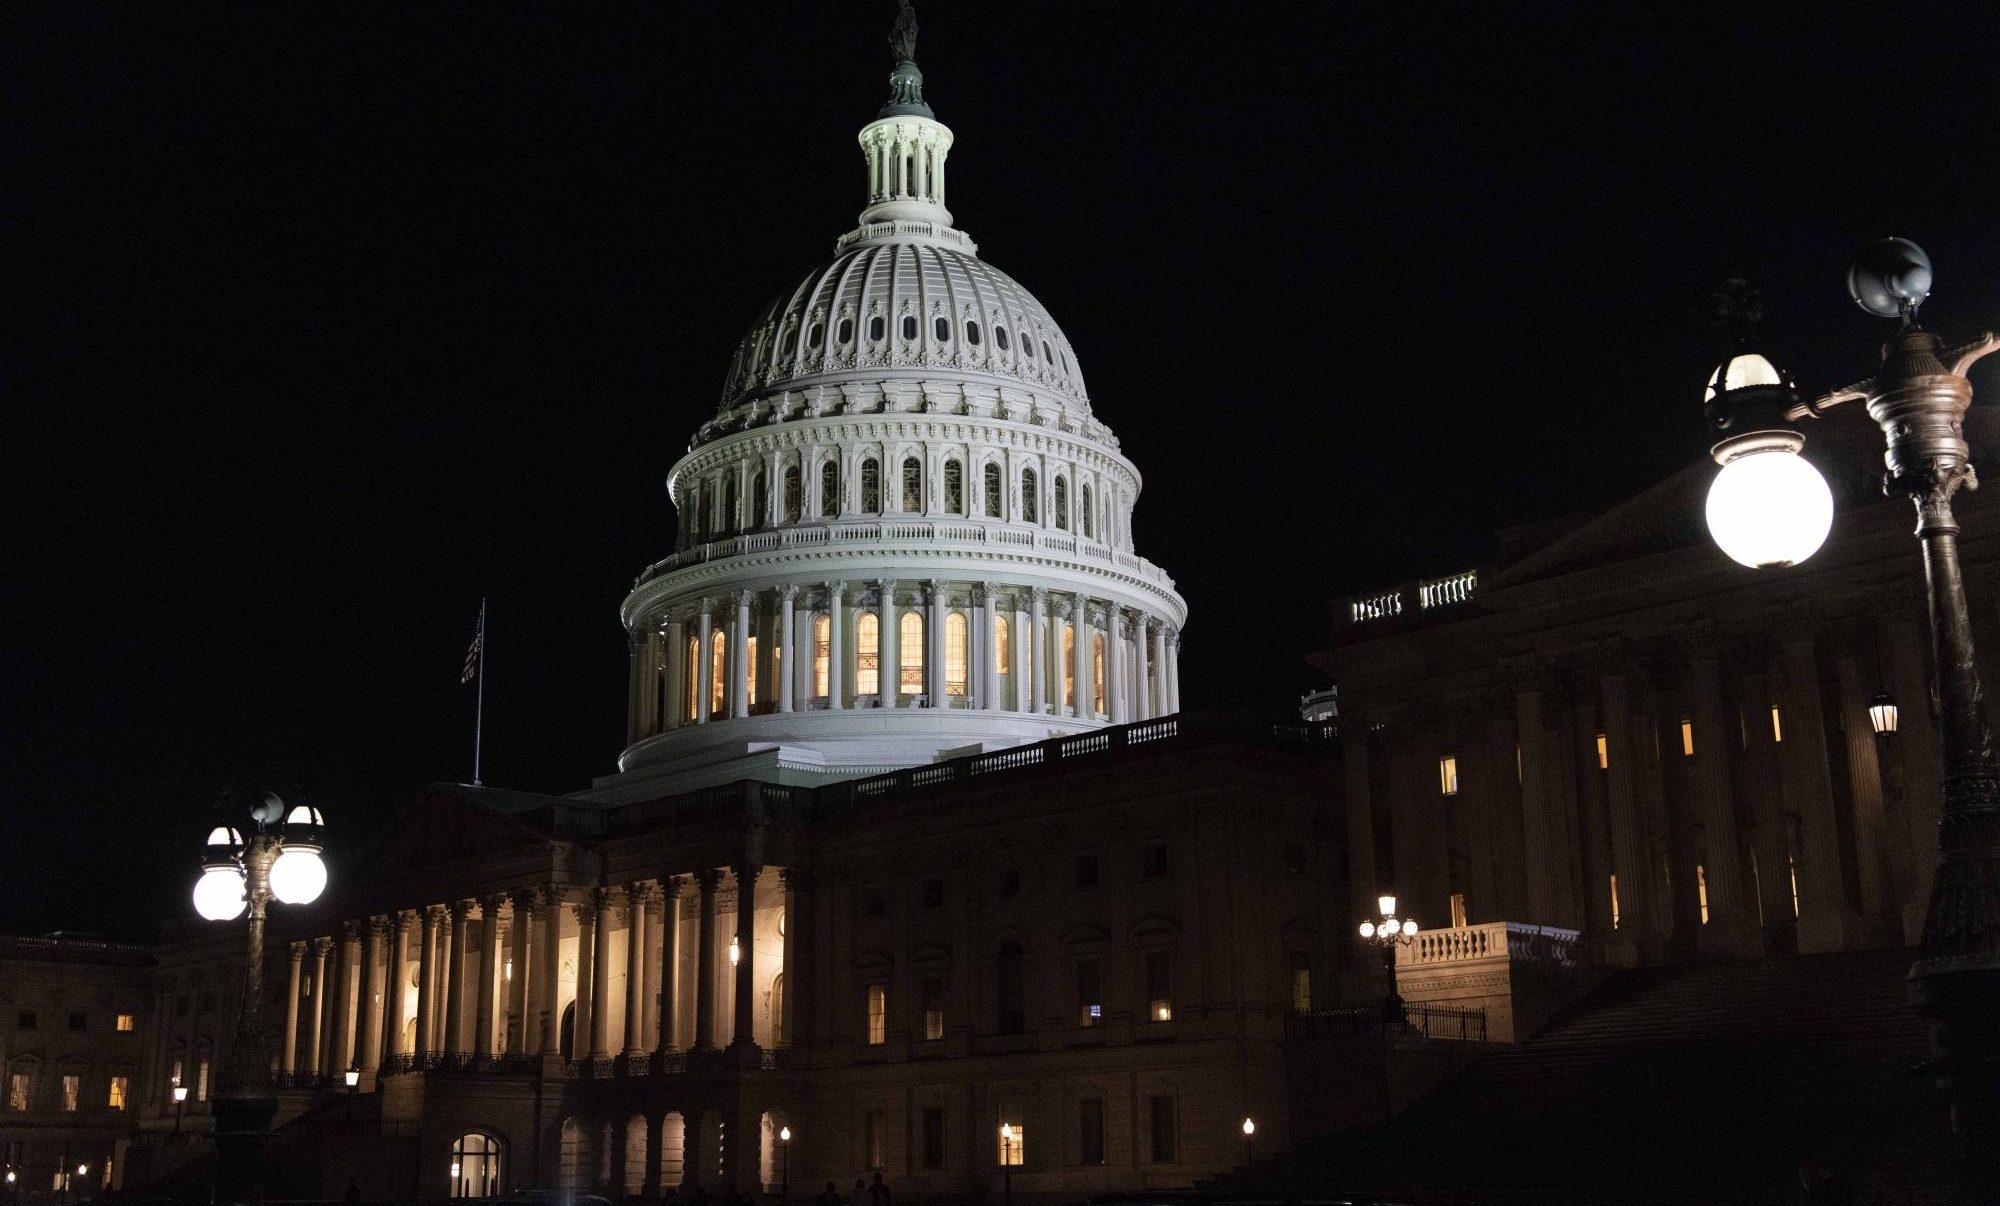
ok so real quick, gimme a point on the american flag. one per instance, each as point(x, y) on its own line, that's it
point(473, 650)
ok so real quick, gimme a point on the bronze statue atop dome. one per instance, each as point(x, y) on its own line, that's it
point(903, 34)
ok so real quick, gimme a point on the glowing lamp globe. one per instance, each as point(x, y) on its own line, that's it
point(1409, 928)
point(298, 876)
point(1769, 507)
point(1249, 1127)
point(1367, 929)
point(218, 894)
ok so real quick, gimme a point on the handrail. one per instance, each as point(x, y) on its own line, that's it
point(1446, 1023)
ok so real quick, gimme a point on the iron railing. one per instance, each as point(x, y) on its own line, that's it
point(1446, 1023)
point(460, 1063)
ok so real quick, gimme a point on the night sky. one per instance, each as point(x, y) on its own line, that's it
point(323, 320)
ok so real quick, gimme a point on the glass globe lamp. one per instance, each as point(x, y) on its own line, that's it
point(1409, 928)
point(299, 875)
point(1768, 507)
point(1367, 929)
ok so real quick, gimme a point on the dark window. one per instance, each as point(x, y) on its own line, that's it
point(1090, 1131)
point(992, 476)
point(1295, 858)
point(871, 486)
point(909, 326)
point(760, 502)
point(79, 1020)
point(934, 894)
point(954, 487)
point(1060, 505)
point(1162, 1111)
point(1086, 870)
point(181, 1006)
point(1028, 347)
point(1029, 503)
point(1010, 884)
point(972, 333)
point(1089, 991)
point(874, 1139)
point(1000, 337)
point(829, 488)
point(931, 990)
point(1159, 986)
point(27, 1021)
point(812, 337)
point(943, 329)
point(875, 328)
point(933, 1144)
point(874, 903)
point(1011, 981)
point(1046, 354)
point(791, 494)
point(1154, 863)
point(845, 332)
point(913, 485)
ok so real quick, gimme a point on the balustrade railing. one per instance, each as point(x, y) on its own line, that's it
point(1428, 594)
point(1516, 942)
point(460, 1063)
point(1445, 1023)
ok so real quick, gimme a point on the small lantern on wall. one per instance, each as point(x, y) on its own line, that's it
point(1882, 715)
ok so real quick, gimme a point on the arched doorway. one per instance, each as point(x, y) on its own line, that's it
point(573, 1152)
point(478, 1165)
point(635, 1155)
point(566, 1040)
point(714, 1154)
point(773, 1158)
point(673, 1151)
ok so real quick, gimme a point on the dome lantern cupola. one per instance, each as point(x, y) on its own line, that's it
point(906, 145)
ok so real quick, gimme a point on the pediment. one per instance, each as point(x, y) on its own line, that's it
point(448, 824)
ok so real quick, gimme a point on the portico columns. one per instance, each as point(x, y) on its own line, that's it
point(608, 900)
point(315, 1030)
point(372, 994)
point(704, 963)
point(740, 668)
point(1144, 707)
point(669, 985)
point(1061, 695)
point(781, 1025)
point(517, 1040)
point(676, 659)
point(1114, 670)
point(989, 658)
point(1033, 652)
point(1163, 701)
point(704, 662)
point(934, 676)
point(1630, 848)
point(1020, 658)
point(788, 654)
point(394, 982)
point(836, 642)
point(639, 897)
point(328, 1011)
point(288, 1053)
point(454, 983)
point(548, 966)
point(1731, 927)
point(1083, 651)
point(1539, 832)
point(350, 994)
point(890, 647)
point(652, 968)
point(489, 975)
point(1174, 672)
point(1824, 919)
point(745, 1036)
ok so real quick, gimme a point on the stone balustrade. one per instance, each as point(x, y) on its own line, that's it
point(1518, 975)
point(1517, 942)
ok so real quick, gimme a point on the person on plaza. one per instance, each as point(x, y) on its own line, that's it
point(878, 1193)
point(831, 1197)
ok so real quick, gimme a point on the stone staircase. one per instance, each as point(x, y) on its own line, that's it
point(1687, 1084)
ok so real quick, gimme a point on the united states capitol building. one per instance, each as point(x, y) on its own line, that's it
point(912, 863)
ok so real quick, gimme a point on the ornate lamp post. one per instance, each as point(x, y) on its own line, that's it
point(1388, 933)
point(1919, 399)
point(784, 1164)
point(1009, 1154)
point(180, 1100)
point(281, 860)
point(1249, 1139)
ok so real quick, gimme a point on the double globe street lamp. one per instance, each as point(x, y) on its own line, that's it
point(1388, 933)
point(281, 860)
point(1769, 507)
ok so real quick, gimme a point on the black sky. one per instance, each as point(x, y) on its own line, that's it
point(321, 321)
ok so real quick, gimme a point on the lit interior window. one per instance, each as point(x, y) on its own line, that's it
point(1458, 921)
point(867, 654)
point(1777, 724)
point(956, 654)
point(1002, 631)
point(1687, 738)
point(910, 654)
point(119, 1086)
point(1448, 775)
point(878, 1014)
point(1013, 1138)
point(750, 671)
point(1614, 902)
point(822, 653)
point(718, 671)
point(1603, 753)
point(127, 1022)
point(1701, 889)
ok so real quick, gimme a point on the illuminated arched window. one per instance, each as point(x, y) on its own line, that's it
point(910, 653)
point(690, 677)
point(1030, 505)
point(957, 654)
point(913, 484)
point(476, 1165)
point(871, 486)
point(829, 488)
point(1089, 520)
point(1002, 645)
point(867, 654)
point(760, 501)
point(1069, 664)
point(750, 672)
point(992, 476)
point(1061, 502)
point(954, 488)
point(822, 654)
point(718, 671)
point(791, 494)
point(1097, 703)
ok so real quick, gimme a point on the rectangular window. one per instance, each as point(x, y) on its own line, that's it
point(72, 1091)
point(1161, 1112)
point(933, 1137)
point(78, 1020)
point(1089, 991)
point(1614, 902)
point(1086, 871)
point(1458, 910)
point(874, 1140)
point(1687, 738)
point(1160, 986)
point(1701, 889)
point(1013, 1143)
point(1090, 1131)
point(1154, 864)
point(957, 654)
point(1603, 753)
point(174, 1078)
point(27, 1020)
point(934, 893)
point(1777, 724)
point(119, 1086)
point(932, 988)
point(910, 654)
point(750, 671)
point(201, 1079)
point(1448, 775)
point(878, 1014)
point(1002, 640)
point(822, 654)
point(19, 1088)
point(1302, 982)
point(867, 654)
point(127, 1022)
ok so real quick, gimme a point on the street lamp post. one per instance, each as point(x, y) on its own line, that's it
point(1007, 1163)
point(1249, 1138)
point(180, 1099)
point(280, 861)
point(1388, 933)
point(353, 1078)
point(1919, 399)
point(784, 1164)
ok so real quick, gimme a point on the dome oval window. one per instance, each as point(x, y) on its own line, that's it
point(909, 326)
point(845, 332)
point(1046, 354)
point(943, 329)
point(1000, 337)
point(1028, 347)
point(972, 332)
point(875, 328)
point(812, 336)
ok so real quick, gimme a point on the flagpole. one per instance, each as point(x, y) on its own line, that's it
point(479, 717)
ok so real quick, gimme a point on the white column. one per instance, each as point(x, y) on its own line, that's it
point(890, 658)
point(989, 671)
point(1163, 704)
point(1142, 694)
point(1034, 659)
point(676, 660)
point(788, 654)
point(1086, 702)
point(704, 677)
point(934, 662)
point(740, 669)
point(803, 651)
point(836, 647)
point(637, 900)
point(1019, 638)
point(1114, 665)
point(1174, 671)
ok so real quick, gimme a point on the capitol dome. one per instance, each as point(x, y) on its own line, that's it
point(904, 535)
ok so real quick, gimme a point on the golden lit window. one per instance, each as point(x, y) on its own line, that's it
point(956, 654)
point(878, 1014)
point(72, 1090)
point(1013, 1141)
point(1098, 702)
point(1614, 902)
point(201, 1080)
point(690, 677)
point(1687, 738)
point(119, 1086)
point(1458, 921)
point(20, 1086)
point(1448, 775)
point(1603, 753)
point(476, 1163)
point(1701, 890)
point(1069, 665)
point(750, 671)
point(867, 654)
point(1792, 870)
point(822, 655)
point(127, 1022)
point(718, 671)
point(1002, 645)
point(1777, 724)
point(910, 653)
